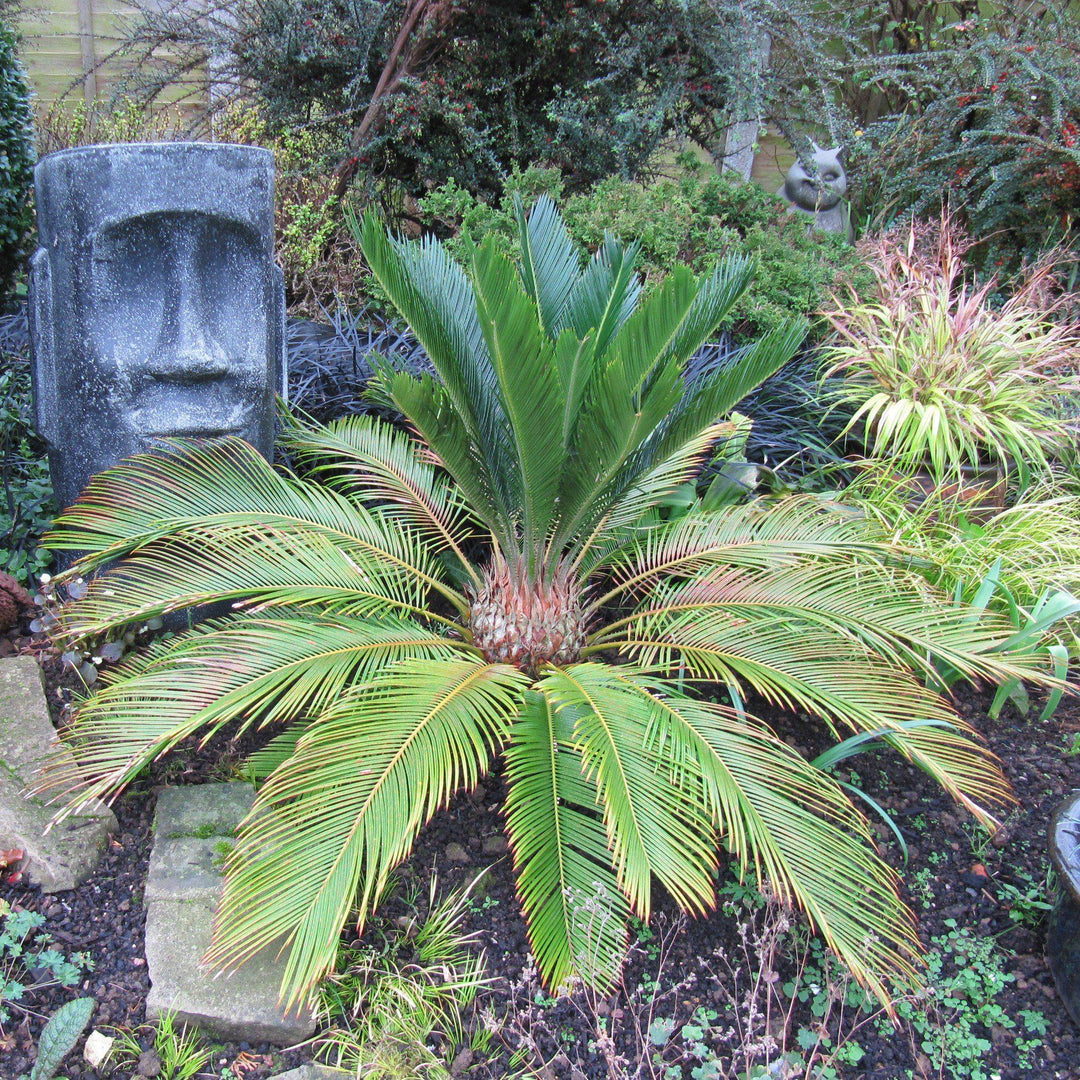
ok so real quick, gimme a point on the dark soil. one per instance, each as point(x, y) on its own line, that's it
point(953, 874)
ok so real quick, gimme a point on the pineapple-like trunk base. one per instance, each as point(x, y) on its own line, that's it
point(526, 622)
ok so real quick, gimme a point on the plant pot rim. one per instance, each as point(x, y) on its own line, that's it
point(1065, 843)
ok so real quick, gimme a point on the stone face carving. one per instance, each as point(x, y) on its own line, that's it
point(156, 309)
point(819, 195)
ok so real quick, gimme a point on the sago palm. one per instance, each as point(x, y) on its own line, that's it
point(497, 583)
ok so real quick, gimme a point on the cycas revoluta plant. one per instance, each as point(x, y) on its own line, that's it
point(497, 583)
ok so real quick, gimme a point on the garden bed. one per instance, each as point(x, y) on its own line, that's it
point(1001, 993)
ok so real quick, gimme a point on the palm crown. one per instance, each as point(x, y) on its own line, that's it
point(498, 583)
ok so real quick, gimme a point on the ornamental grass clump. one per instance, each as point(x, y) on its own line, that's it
point(496, 584)
point(940, 378)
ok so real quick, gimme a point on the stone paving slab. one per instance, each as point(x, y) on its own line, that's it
point(215, 810)
point(186, 868)
point(315, 1072)
point(193, 827)
point(60, 857)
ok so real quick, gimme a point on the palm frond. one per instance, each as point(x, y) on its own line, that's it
point(872, 607)
point(248, 671)
point(633, 505)
point(523, 358)
point(376, 463)
point(427, 405)
point(657, 826)
point(638, 414)
point(574, 909)
point(716, 294)
point(549, 259)
point(647, 339)
point(801, 656)
point(333, 821)
point(714, 397)
point(259, 567)
point(200, 489)
point(575, 359)
point(433, 294)
point(627, 399)
point(604, 296)
point(794, 829)
point(755, 534)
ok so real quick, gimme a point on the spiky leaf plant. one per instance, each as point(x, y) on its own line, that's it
point(496, 584)
point(936, 376)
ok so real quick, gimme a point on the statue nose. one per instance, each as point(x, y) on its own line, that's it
point(191, 359)
point(186, 353)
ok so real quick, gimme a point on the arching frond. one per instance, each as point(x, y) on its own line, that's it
point(634, 504)
point(378, 464)
point(794, 829)
point(549, 259)
point(248, 671)
point(196, 488)
point(656, 825)
point(715, 397)
point(427, 404)
point(755, 534)
point(433, 294)
point(575, 911)
point(798, 662)
point(257, 566)
point(527, 379)
point(334, 820)
point(867, 607)
point(717, 292)
point(604, 296)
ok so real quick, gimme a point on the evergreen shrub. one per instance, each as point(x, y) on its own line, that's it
point(692, 219)
point(986, 123)
point(16, 160)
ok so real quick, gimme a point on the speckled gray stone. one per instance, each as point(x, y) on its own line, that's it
point(208, 810)
point(193, 827)
point(1063, 926)
point(314, 1072)
point(59, 857)
point(155, 306)
point(819, 198)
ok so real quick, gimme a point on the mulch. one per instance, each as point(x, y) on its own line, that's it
point(963, 880)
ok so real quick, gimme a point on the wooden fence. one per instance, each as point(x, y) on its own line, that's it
point(69, 50)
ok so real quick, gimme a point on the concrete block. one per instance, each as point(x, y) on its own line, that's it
point(60, 857)
point(192, 829)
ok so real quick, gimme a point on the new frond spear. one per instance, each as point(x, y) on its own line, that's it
point(496, 584)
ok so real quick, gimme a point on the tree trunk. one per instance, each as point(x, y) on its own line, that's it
point(422, 21)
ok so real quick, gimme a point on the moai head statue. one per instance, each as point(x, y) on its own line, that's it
point(156, 308)
point(821, 191)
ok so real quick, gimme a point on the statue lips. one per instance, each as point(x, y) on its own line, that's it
point(202, 410)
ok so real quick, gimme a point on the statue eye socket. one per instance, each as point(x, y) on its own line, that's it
point(830, 176)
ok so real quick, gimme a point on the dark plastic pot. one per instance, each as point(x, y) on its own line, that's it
point(1063, 929)
point(981, 490)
